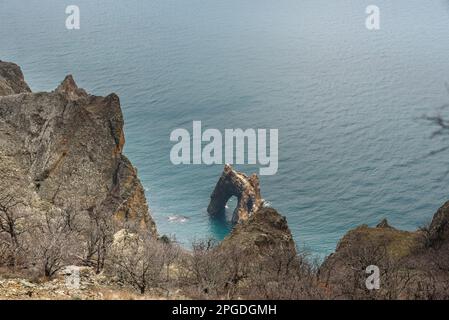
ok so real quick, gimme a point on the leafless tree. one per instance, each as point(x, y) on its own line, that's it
point(284, 274)
point(51, 243)
point(171, 252)
point(98, 230)
point(231, 272)
point(137, 261)
point(12, 224)
point(205, 276)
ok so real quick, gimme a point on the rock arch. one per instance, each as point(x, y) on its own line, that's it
point(234, 183)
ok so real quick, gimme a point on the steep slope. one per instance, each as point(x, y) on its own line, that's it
point(412, 265)
point(64, 148)
point(11, 79)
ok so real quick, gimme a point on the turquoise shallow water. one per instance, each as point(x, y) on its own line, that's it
point(346, 101)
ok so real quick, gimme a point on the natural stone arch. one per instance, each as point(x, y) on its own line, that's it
point(245, 189)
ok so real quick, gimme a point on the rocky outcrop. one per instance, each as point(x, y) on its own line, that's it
point(439, 227)
point(262, 233)
point(234, 183)
point(65, 148)
point(11, 79)
point(383, 224)
point(363, 246)
point(259, 232)
point(412, 264)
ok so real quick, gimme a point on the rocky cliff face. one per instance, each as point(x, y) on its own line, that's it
point(65, 148)
point(11, 79)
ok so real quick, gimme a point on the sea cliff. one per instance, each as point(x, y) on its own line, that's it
point(71, 200)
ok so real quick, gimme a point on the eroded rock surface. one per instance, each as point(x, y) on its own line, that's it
point(439, 227)
point(263, 232)
point(65, 148)
point(259, 230)
point(246, 189)
point(11, 79)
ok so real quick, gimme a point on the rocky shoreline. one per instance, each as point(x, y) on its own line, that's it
point(62, 152)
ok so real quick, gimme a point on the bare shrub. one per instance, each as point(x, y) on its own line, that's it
point(13, 217)
point(171, 253)
point(397, 275)
point(52, 243)
point(425, 236)
point(98, 231)
point(137, 261)
point(230, 272)
point(284, 274)
point(204, 276)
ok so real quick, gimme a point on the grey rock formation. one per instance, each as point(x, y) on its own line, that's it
point(439, 227)
point(411, 262)
point(266, 230)
point(66, 148)
point(259, 231)
point(234, 183)
point(11, 79)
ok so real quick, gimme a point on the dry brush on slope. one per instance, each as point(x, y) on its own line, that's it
point(66, 185)
point(68, 195)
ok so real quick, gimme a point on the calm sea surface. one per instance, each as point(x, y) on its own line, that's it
point(347, 101)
